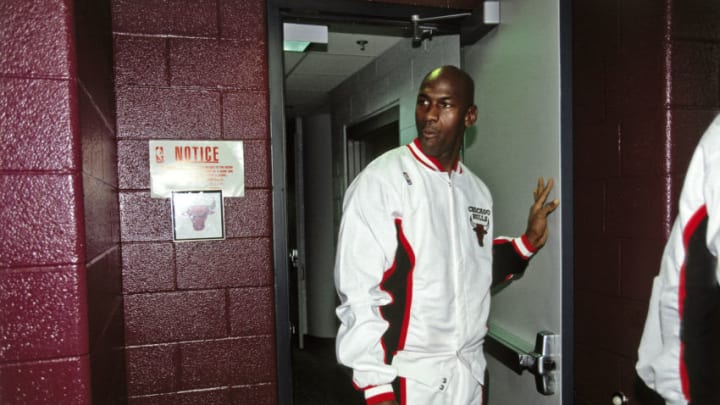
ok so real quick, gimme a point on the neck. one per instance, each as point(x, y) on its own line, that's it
point(448, 164)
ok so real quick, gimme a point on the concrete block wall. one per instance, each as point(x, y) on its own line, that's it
point(619, 164)
point(645, 87)
point(694, 92)
point(199, 324)
point(43, 321)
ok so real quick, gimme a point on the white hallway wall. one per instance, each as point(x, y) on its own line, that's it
point(319, 260)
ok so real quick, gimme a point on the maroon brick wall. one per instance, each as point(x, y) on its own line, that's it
point(43, 321)
point(620, 208)
point(694, 91)
point(645, 87)
point(199, 323)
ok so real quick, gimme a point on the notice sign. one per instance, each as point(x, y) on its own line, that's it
point(196, 165)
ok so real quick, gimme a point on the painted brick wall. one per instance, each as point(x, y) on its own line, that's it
point(619, 154)
point(694, 92)
point(43, 321)
point(643, 95)
point(199, 323)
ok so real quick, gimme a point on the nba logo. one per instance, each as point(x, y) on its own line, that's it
point(159, 154)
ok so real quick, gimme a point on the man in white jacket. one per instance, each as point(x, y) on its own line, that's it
point(678, 351)
point(416, 259)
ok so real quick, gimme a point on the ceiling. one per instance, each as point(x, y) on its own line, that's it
point(311, 75)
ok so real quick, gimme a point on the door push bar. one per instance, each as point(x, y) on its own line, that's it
point(543, 362)
point(514, 353)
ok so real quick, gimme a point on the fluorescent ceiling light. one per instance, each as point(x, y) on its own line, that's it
point(491, 12)
point(295, 46)
point(297, 37)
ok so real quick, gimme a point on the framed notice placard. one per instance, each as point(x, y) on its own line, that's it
point(196, 165)
point(197, 215)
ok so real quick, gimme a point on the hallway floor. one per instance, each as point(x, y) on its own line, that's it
point(318, 379)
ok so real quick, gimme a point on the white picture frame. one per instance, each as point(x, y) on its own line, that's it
point(198, 215)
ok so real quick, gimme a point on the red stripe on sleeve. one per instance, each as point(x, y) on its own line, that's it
point(688, 231)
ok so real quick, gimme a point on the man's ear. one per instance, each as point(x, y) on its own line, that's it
point(470, 116)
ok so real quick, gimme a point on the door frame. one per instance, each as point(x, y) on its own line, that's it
point(566, 173)
point(276, 11)
point(278, 156)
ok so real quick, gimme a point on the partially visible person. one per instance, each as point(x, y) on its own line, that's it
point(678, 351)
point(416, 259)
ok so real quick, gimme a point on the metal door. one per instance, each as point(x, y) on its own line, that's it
point(521, 93)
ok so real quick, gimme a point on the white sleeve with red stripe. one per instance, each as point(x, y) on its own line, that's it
point(659, 354)
point(375, 395)
point(366, 241)
point(711, 188)
point(659, 350)
point(521, 245)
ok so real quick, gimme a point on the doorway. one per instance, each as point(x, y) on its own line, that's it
point(317, 377)
point(393, 82)
point(355, 100)
point(370, 138)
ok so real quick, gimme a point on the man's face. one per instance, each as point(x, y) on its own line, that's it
point(442, 113)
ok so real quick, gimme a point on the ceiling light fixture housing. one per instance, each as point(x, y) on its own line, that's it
point(304, 37)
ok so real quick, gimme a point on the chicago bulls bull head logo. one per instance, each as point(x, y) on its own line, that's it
point(198, 214)
point(480, 222)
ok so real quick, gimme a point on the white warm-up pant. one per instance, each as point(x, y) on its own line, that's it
point(455, 386)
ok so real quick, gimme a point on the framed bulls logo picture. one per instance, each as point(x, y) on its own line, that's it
point(197, 215)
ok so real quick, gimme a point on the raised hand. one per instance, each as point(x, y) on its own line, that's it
point(537, 230)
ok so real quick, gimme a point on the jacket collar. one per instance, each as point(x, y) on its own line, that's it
point(429, 161)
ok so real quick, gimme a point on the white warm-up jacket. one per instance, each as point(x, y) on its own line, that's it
point(674, 357)
point(413, 270)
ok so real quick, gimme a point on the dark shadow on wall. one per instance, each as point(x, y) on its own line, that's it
point(101, 217)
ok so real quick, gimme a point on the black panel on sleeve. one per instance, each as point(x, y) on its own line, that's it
point(396, 284)
point(506, 261)
point(700, 331)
